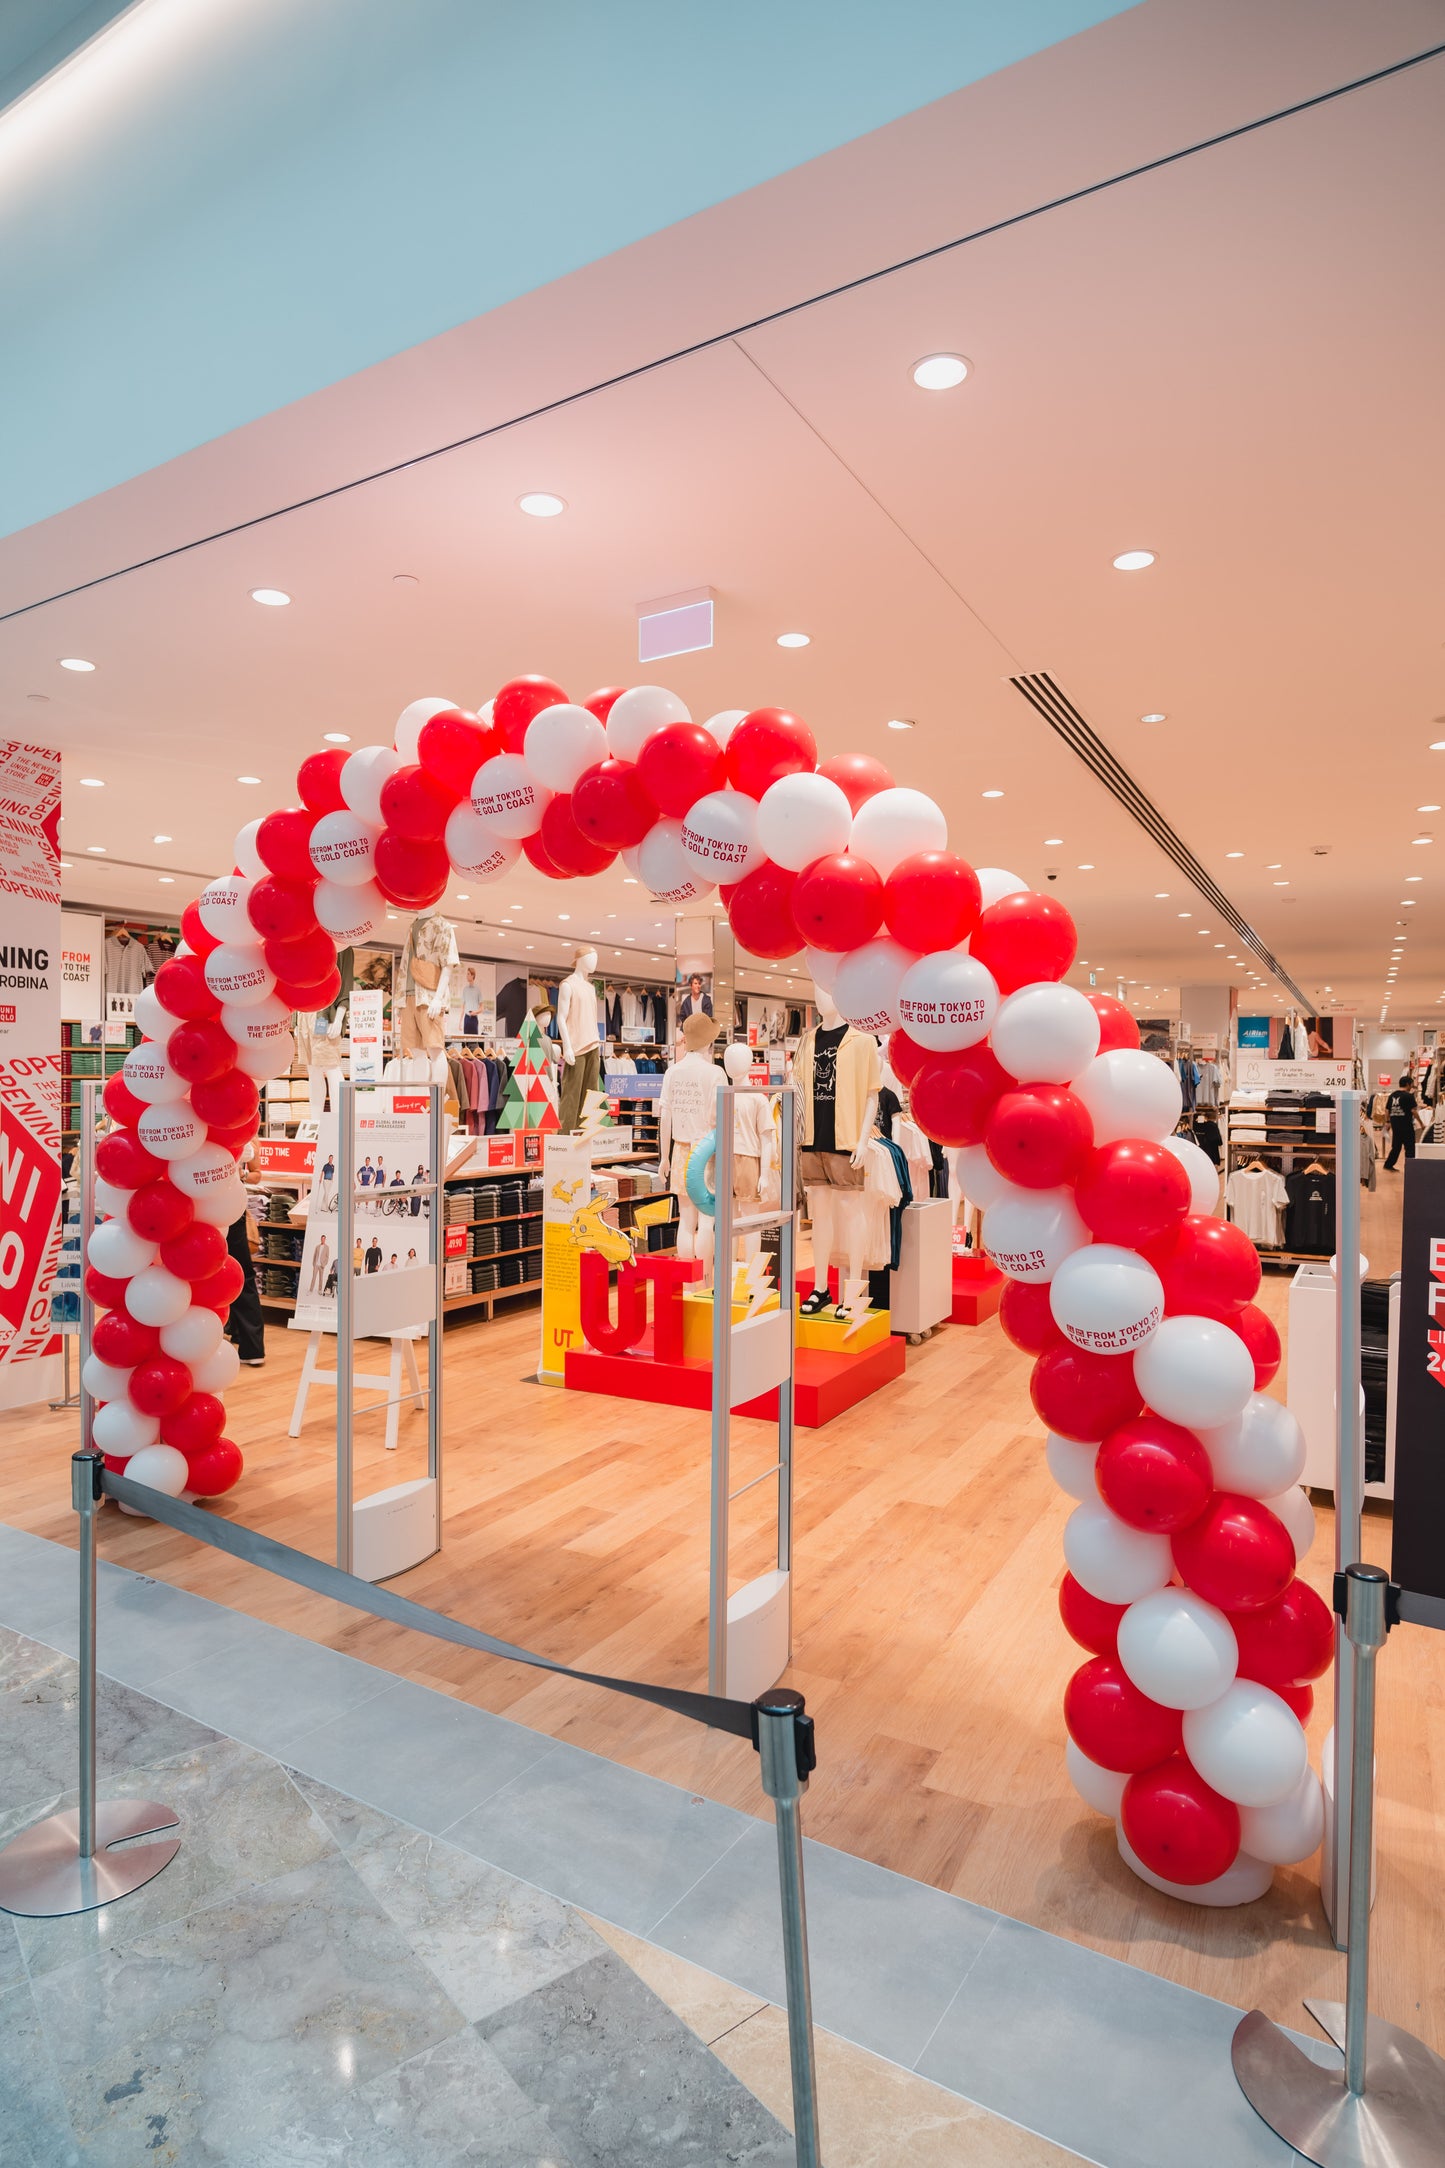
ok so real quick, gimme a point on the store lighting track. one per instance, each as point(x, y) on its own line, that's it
point(1059, 712)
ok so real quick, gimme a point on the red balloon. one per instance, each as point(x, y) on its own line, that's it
point(214, 1469)
point(1299, 1698)
point(858, 775)
point(282, 910)
point(1237, 1554)
point(905, 1056)
point(119, 1340)
point(107, 1293)
point(220, 1289)
point(1022, 938)
point(227, 1099)
point(765, 745)
point(451, 746)
point(195, 1424)
point(610, 804)
point(680, 764)
point(409, 871)
point(306, 1000)
point(1082, 1395)
point(1038, 1135)
point(1260, 1336)
point(536, 850)
point(283, 844)
point(1131, 1192)
point(1093, 1624)
point(158, 1211)
point(318, 781)
point(837, 901)
point(120, 1102)
point(1026, 1317)
point(600, 702)
point(195, 1252)
point(515, 705)
point(1113, 1723)
point(234, 1137)
point(760, 911)
point(566, 845)
point(123, 1160)
point(159, 1385)
point(1117, 1027)
point(195, 936)
point(1209, 1268)
point(1177, 1826)
point(416, 803)
point(180, 987)
point(200, 1049)
point(953, 1095)
point(1287, 1642)
point(1155, 1475)
point(931, 901)
point(303, 960)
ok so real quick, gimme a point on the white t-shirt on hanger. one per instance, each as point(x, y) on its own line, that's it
point(1257, 1203)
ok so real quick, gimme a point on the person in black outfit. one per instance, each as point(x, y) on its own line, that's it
point(1400, 1106)
point(244, 1323)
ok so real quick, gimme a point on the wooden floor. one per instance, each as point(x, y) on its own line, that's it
point(927, 1640)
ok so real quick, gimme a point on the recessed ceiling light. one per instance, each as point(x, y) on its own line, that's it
point(1422, 839)
point(629, 937)
point(1427, 809)
point(162, 839)
point(1161, 895)
point(1086, 867)
point(1279, 884)
point(564, 915)
point(992, 794)
point(92, 782)
point(1133, 560)
point(940, 372)
point(900, 722)
point(463, 896)
point(248, 779)
point(541, 504)
point(1158, 716)
point(275, 598)
point(1053, 842)
point(1409, 877)
point(65, 862)
point(167, 880)
point(75, 662)
point(1437, 745)
point(628, 881)
point(1407, 902)
point(794, 639)
point(337, 737)
point(1185, 914)
point(1219, 944)
point(97, 850)
point(1276, 867)
point(1234, 854)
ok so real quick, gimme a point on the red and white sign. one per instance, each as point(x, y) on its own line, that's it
point(284, 1156)
point(30, 1076)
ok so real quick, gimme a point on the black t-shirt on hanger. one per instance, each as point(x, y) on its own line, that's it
point(1310, 1225)
point(825, 1087)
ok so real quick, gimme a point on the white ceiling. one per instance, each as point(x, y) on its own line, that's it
point(1232, 361)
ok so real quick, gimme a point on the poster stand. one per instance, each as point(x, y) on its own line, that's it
point(387, 1382)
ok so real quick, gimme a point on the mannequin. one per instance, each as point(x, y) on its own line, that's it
point(687, 1111)
point(577, 1031)
point(754, 1147)
point(427, 963)
point(838, 1073)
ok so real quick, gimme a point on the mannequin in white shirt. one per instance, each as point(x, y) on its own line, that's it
point(839, 1217)
point(581, 1045)
point(686, 1112)
point(754, 1147)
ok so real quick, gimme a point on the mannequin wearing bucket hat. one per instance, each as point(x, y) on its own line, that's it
point(686, 1112)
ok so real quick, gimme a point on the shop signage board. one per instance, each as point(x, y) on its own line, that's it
point(566, 1190)
point(1418, 1560)
point(1258, 1073)
point(286, 1158)
point(366, 1051)
point(391, 1237)
point(623, 1085)
point(30, 1082)
point(82, 968)
point(1254, 1033)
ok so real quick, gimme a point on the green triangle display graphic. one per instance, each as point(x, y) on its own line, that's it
point(530, 1099)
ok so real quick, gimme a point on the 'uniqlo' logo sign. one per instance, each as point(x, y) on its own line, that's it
point(7, 1012)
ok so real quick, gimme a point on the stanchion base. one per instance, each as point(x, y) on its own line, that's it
point(1397, 2122)
point(43, 1877)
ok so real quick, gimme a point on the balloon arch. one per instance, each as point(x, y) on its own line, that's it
point(1184, 1722)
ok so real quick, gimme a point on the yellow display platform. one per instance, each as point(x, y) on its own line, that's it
point(697, 1321)
point(834, 1338)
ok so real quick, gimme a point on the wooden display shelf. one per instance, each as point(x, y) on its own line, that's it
point(468, 1301)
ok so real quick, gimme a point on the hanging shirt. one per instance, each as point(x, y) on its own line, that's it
point(1257, 1203)
point(127, 966)
point(1310, 1224)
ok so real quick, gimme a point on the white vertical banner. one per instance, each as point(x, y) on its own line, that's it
point(82, 967)
point(30, 1070)
point(366, 1049)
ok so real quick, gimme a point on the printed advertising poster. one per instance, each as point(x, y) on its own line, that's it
point(82, 968)
point(566, 1193)
point(391, 1232)
point(366, 1055)
point(473, 1011)
point(1418, 1559)
point(30, 1090)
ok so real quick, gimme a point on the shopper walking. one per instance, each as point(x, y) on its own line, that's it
point(1400, 1107)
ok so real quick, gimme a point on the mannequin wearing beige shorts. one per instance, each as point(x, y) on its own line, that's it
point(419, 1032)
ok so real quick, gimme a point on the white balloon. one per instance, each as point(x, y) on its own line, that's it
point(803, 817)
point(245, 853)
point(160, 1468)
point(157, 1297)
point(148, 1074)
point(411, 722)
point(1288, 1831)
point(171, 1132)
point(507, 797)
point(266, 1058)
point(1030, 1233)
point(343, 848)
point(350, 915)
point(724, 723)
point(664, 867)
point(1293, 1507)
point(1248, 1744)
point(215, 1372)
point(1195, 1371)
point(362, 775)
point(994, 884)
point(120, 1429)
point(561, 743)
point(193, 1336)
point(151, 1018)
point(893, 824)
point(1201, 1170)
point(110, 1202)
point(1178, 1649)
point(477, 850)
point(1045, 1033)
point(222, 906)
point(1241, 1884)
point(1110, 1560)
point(103, 1381)
point(637, 715)
point(867, 983)
point(116, 1251)
point(205, 1171)
point(1072, 1465)
point(1260, 1452)
point(239, 976)
point(977, 1178)
point(221, 1206)
point(822, 966)
point(720, 836)
point(1107, 1299)
point(1129, 1094)
point(268, 1019)
point(1101, 1789)
point(947, 1001)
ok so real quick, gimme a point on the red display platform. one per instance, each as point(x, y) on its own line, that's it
point(977, 1289)
point(824, 1386)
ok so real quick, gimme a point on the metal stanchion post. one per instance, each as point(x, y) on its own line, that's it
point(345, 1313)
point(785, 1771)
point(433, 1202)
point(64, 1864)
point(722, 1347)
